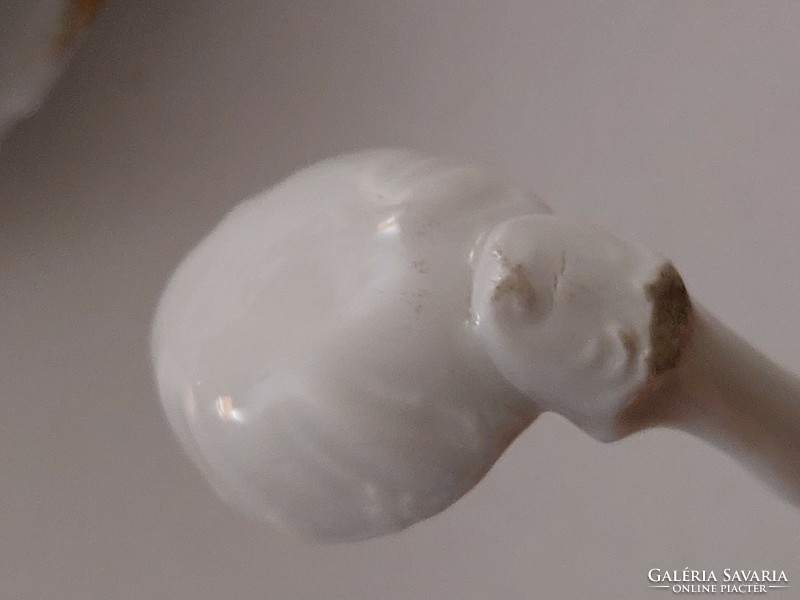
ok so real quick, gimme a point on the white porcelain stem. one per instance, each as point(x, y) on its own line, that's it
point(742, 402)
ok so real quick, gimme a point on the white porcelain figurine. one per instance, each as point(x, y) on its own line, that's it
point(349, 352)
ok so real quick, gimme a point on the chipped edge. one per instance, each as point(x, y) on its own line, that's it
point(515, 283)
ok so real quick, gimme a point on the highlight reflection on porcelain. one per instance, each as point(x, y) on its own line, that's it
point(350, 352)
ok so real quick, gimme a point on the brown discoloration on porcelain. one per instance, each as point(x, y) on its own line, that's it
point(80, 14)
point(515, 283)
point(669, 323)
point(659, 401)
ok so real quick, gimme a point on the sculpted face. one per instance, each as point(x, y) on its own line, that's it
point(564, 312)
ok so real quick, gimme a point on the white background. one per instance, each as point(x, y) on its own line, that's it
point(675, 124)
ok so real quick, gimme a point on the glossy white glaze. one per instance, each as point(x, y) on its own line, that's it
point(315, 353)
point(349, 352)
point(564, 313)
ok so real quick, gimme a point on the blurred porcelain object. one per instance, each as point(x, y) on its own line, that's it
point(37, 38)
